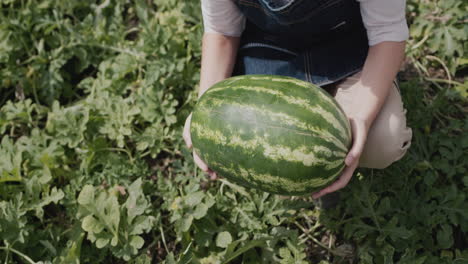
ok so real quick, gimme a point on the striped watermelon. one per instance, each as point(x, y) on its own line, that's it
point(273, 133)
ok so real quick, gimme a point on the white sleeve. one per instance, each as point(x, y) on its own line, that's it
point(223, 17)
point(384, 20)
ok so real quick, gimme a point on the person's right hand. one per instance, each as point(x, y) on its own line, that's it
point(188, 140)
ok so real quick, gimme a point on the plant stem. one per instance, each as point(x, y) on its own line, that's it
point(18, 253)
point(119, 149)
point(163, 238)
point(449, 76)
point(307, 233)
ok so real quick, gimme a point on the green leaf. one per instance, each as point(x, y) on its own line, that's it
point(200, 211)
point(91, 224)
point(223, 239)
point(86, 196)
point(445, 236)
point(137, 242)
point(115, 240)
point(449, 42)
point(186, 223)
point(72, 253)
point(141, 224)
point(68, 124)
point(187, 256)
point(136, 202)
point(142, 259)
point(11, 158)
point(102, 242)
point(193, 199)
point(170, 259)
point(47, 198)
point(286, 256)
point(465, 181)
point(231, 254)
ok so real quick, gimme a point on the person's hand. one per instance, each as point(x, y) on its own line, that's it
point(188, 140)
point(359, 131)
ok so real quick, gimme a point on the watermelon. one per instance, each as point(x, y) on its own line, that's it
point(273, 133)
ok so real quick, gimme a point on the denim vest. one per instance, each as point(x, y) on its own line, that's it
point(319, 41)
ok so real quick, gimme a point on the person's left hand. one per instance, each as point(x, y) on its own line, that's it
point(359, 130)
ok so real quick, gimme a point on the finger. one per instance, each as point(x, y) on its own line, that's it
point(200, 163)
point(186, 133)
point(204, 167)
point(213, 175)
point(359, 138)
point(339, 184)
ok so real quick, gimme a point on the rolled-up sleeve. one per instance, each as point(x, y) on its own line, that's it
point(223, 17)
point(384, 20)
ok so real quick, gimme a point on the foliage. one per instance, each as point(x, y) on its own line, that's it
point(93, 169)
point(439, 34)
point(107, 222)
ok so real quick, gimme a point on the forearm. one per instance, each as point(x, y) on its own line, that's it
point(380, 69)
point(218, 59)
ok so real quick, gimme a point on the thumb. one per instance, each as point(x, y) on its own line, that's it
point(358, 128)
point(200, 163)
point(186, 132)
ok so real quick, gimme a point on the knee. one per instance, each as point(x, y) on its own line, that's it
point(388, 138)
point(390, 154)
point(386, 148)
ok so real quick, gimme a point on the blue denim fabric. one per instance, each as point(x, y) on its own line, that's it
point(319, 41)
